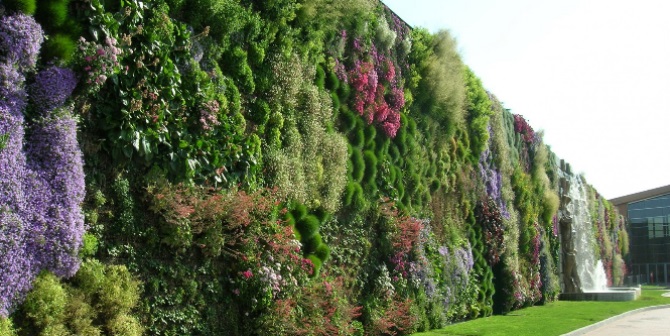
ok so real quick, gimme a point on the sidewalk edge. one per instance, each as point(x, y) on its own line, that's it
point(597, 325)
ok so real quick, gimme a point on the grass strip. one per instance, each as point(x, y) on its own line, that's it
point(555, 318)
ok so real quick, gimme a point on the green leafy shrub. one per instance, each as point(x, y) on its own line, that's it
point(260, 113)
point(125, 325)
point(45, 304)
point(478, 108)
point(311, 166)
point(440, 94)
point(7, 327)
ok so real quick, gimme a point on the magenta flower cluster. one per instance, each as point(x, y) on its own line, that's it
point(41, 172)
point(522, 127)
point(378, 95)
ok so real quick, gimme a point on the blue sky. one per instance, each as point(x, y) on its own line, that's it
point(593, 75)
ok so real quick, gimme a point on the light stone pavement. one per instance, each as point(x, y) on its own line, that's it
point(650, 322)
point(640, 322)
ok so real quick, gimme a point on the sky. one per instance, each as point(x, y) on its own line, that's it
point(593, 75)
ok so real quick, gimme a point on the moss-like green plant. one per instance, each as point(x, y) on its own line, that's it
point(299, 211)
point(308, 227)
point(332, 82)
point(370, 135)
point(357, 135)
point(323, 215)
point(401, 140)
point(336, 102)
point(435, 185)
point(323, 252)
point(320, 79)
point(344, 92)
point(394, 153)
point(59, 46)
point(354, 195)
point(349, 192)
point(382, 146)
point(310, 245)
point(52, 14)
point(358, 165)
point(317, 262)
point(24, 6)
point(370, 167)
point(347, 119)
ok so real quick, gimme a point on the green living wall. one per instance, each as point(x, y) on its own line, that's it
point(280, 167)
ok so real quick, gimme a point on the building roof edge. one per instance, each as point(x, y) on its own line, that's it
point(639, 196)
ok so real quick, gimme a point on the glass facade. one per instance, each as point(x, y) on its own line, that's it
point(649, 222)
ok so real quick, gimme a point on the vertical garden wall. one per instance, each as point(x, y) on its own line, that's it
point(285, 167)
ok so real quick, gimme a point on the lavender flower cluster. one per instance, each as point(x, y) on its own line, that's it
point(458, 265)
point(421, 274)
point(52, 87)
point(41, 176)
point(492, 178)
point(20, 41)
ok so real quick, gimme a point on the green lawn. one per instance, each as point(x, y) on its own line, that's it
point(552, 319)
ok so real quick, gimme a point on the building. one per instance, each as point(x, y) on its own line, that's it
point(648, 220)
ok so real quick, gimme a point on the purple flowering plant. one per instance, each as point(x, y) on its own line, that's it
point(20, 41)
point(41, 171)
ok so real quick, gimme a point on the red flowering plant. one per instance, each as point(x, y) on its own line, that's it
point(404, 235)
point(271, 265)
point(490, 218)
point(529, 140)
point(322, 307)
point(263, 259)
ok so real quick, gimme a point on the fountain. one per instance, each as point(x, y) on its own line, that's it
point(583, 275)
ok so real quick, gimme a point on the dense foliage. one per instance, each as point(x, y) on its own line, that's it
point(283, 167)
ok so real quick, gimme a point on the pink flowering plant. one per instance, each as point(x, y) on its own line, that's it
point(98, 61)
point(376, 81)
point(271, 265)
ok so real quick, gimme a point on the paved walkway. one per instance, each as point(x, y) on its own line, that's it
point(645, 321)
